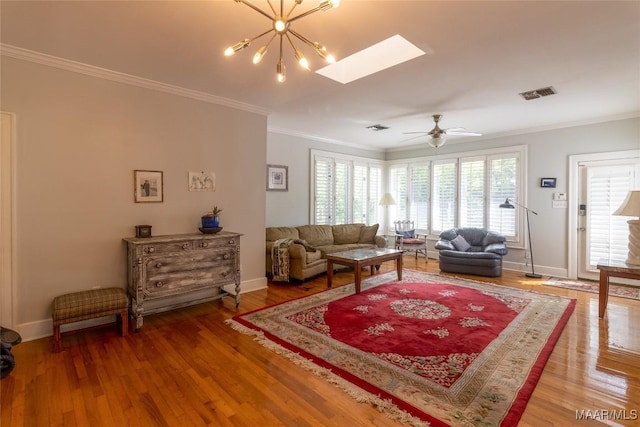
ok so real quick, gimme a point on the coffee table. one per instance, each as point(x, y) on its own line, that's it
point(359, 258)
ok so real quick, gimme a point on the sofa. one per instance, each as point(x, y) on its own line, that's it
point(308, 245)
point(471, 251)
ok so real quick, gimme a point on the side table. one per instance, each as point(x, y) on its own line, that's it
point(613, 268)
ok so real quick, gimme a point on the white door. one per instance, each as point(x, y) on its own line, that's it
point(603, 187)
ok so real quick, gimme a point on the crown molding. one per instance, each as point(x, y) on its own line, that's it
point(116, 76)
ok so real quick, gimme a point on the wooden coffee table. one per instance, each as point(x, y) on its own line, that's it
point(359, 258)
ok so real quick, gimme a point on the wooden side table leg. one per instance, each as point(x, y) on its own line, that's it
point(603, 293)
point(399, 267)
point(329, 273)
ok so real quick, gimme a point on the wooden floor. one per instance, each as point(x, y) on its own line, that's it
point(187, 368)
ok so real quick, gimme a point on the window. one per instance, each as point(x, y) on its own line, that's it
point(463, 191)
point(346, 189)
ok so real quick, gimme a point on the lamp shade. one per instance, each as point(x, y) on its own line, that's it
point(387, 200)
point(630, 206)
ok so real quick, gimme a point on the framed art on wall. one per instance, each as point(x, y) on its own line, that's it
point(148, 186)
point(548, 182)
point(202, 181)
point(277, 178)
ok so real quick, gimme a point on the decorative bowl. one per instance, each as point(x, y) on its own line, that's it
point(210, 230)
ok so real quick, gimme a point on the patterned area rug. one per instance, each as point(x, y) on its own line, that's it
point(428, 350)
point(632, 292)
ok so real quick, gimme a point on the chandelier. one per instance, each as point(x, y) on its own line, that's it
point(281, 26)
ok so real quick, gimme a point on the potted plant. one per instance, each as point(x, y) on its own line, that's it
point(211, 219)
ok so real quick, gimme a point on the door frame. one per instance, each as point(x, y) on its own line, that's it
point(574, 187)
point(7, 218)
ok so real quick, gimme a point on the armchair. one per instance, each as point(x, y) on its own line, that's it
point(471, 251)
point(408, 240)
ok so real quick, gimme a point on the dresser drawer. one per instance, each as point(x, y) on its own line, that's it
point(165, 248)
point(172, 274)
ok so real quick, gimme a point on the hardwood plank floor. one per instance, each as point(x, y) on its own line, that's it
point(187, 368)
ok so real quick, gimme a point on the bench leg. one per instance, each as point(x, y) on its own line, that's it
point(56, 339)
point(124, 322)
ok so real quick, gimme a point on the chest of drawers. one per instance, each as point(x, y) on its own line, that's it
point(168, 272)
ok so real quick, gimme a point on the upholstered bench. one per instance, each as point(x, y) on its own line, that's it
point(85, 305)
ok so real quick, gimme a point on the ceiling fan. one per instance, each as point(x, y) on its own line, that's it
point(437, 135)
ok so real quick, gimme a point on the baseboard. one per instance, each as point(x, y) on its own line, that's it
point(44, 328)
point(540, 269)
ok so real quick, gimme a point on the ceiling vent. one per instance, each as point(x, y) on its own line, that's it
point(377, 128)
point(538, 93)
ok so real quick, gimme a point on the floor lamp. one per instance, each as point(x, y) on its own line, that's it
point(631, 207)
point(507, 205)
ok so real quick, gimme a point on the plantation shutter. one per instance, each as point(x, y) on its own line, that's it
point(504, 176)
point(444, 195)
point(323, 206)
point(374, 211)
point(341, 188)
point(399, 191)
point(607, 187)
point(472, 193)
point(360, 191)
point(419, 196)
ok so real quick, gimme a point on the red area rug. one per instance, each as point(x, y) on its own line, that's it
point(428, 350)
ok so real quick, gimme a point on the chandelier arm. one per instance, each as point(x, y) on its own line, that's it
point(303, 39)
point(260, 35)
point(291, 10)
point(303, 14)
point(257, 9)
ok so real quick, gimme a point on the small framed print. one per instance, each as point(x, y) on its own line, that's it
point(148, 186)
point(277, 178)
point(548, 182)
point(202, 181)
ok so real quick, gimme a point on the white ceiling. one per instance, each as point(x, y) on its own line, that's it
point(484, 54)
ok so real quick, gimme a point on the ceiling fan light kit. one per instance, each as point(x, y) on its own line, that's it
point(281, 27)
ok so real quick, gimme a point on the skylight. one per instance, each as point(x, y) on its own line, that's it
point(380, 56)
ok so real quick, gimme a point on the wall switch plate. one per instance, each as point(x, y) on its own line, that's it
point(559, 196)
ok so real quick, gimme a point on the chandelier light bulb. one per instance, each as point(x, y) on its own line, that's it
point(257, 57)
point(280, 70)
point(301, 59)
point(237, 47)
point(280, 25)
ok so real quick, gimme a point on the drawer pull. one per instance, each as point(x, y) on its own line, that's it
point(226, 256)
point(231, 242)
point(185, 246)
point(158, 265)
point(204, 244)
point(225, 273)
point(149, 250)
point(159, 284)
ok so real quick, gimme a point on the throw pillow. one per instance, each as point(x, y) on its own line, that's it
point(461, 244)
point(409, 234)
point(368, 233)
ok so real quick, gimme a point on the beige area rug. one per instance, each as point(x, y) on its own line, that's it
point(624, 291)
point(428, 350)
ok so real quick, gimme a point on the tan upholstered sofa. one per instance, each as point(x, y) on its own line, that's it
point(324, 239)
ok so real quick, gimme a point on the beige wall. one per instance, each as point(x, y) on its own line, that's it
point(78, 140)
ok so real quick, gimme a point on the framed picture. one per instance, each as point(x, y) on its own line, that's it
point(548, 182)
point(277, 178)
point(147, 186)
point(202, 181)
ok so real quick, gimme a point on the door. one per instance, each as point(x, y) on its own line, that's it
point(603, 187)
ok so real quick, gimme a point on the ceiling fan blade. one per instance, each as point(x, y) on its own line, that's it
point(424, 131)
point(449, 132)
